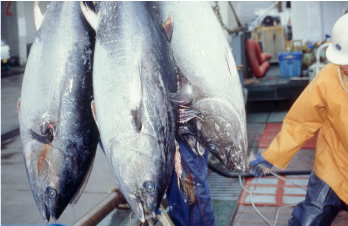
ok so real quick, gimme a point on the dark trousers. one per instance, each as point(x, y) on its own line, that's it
point(320, 206)
point(200, 212)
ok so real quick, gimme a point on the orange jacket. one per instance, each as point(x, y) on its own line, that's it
point(322, 105)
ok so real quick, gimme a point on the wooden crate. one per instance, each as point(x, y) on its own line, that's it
point(271, 38)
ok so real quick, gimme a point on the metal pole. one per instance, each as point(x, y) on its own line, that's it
point(95, 215)
point(235, 15)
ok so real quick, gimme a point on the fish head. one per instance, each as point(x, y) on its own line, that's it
point(224, 134)
point(142, 169)
point(41, 162)
point(54, 167)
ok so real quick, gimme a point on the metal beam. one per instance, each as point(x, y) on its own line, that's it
point(95, 215)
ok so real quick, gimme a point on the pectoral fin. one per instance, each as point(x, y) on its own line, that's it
point(168, 27)
point(186, 114)
point(183, 96)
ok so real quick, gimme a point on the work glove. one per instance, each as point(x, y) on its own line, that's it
point(256, 169)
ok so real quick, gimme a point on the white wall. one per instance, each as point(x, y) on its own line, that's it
point(312, 20)
point(331, 11)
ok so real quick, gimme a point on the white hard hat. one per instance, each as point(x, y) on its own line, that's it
point(337, 52)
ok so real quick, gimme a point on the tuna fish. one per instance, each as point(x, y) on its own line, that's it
point(58, 133)
point(133, 77)
point(211, 98)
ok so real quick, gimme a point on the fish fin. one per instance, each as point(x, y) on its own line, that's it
point(79, 192)
point(188, 187)
point(138, 110)
point(92, 18)
point(94, 112)
point(168, 27)
point(138, 116)
point(177, 163)
point(19, 108)
point(38, 17)
point(183, 96)
point(186, 114)
point(47, 138)
point(101, 146)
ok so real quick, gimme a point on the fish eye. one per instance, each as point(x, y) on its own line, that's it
point(51, 192)
point(149, 186)
point(212, 147)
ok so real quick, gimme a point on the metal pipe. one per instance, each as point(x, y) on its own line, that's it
point(248, 175)
point(235, 15)
point(96, 214)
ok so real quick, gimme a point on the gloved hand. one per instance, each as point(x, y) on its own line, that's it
point(255, 166)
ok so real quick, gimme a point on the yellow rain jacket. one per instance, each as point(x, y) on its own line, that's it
point(322, 106)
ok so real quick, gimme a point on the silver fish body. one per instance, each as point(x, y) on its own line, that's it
point(59, 136)
point(132, 78)
point(204, 58)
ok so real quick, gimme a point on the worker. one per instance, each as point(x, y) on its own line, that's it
point(189, 201)
point(323, 106)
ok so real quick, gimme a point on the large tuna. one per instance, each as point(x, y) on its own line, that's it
point(58, 133)
point(133, 76)
point(211, 93)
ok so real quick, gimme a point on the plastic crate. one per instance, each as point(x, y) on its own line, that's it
point(290, 64)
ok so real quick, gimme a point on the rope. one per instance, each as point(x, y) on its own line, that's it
point(340, 76)
point(252, 201)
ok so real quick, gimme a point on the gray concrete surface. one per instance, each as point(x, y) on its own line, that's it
point(17, 203)
point(10, 92)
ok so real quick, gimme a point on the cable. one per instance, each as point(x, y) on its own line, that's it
point(277, 213)
point(248, 175)
point(340, 76)
point(252, 201)
point(282, 178)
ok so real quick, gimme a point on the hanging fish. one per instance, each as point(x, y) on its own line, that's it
point(210, 95)
point(59, 136)
point(133, 77)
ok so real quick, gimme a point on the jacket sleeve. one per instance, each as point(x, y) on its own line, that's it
point(305, 117)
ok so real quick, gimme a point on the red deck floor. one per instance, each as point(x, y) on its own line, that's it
point(271, 193)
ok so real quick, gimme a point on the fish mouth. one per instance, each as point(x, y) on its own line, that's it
point(138, 207)
point(43, 211)
point(43, 180)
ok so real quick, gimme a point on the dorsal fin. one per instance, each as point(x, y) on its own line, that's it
point(168, 27)
point(38, 17)
point(138, 111)
point(183, 96)
point(92, 18)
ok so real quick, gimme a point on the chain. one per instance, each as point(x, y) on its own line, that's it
point(218, 15)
